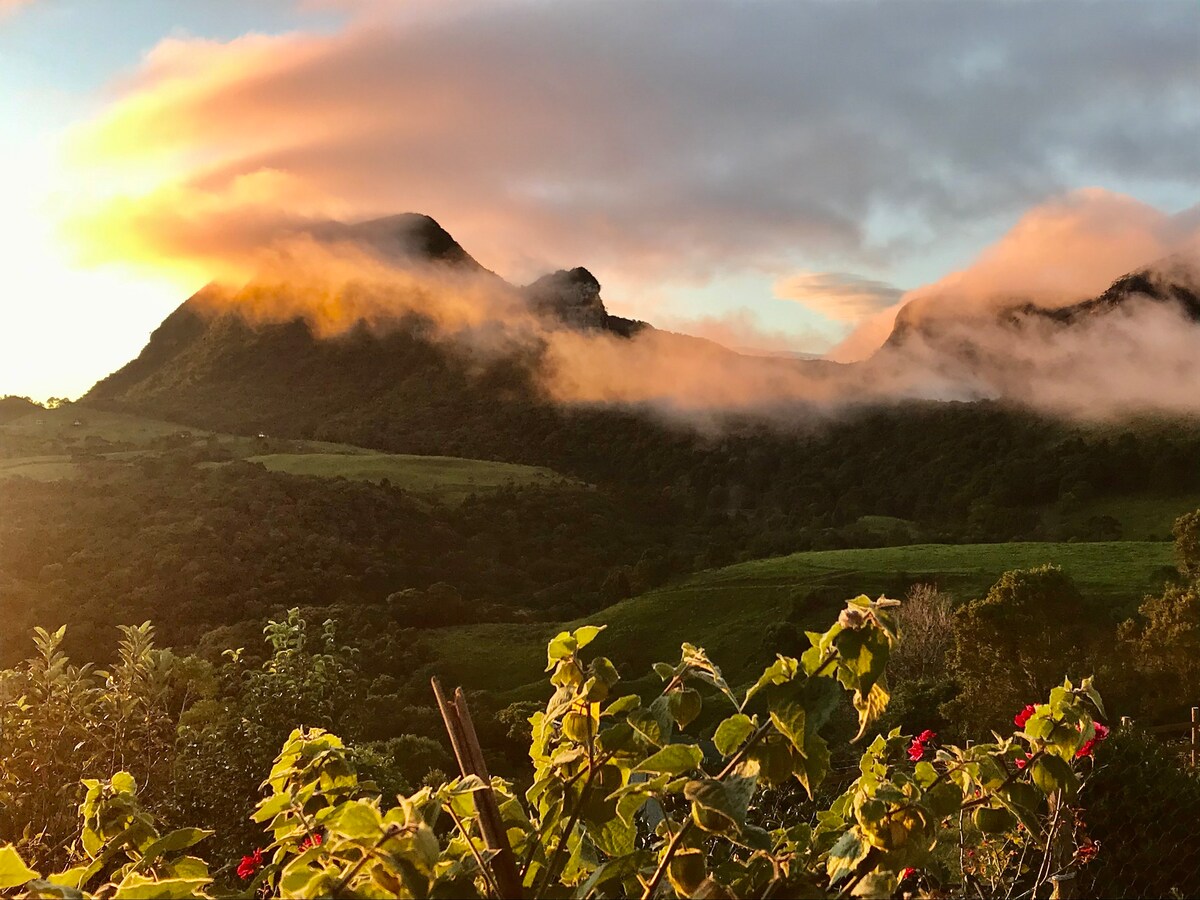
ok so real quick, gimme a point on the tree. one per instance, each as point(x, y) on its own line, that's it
point(1000, 659)
point(1187, 544)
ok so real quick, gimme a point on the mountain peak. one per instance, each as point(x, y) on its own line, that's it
point(399, 238)
point(570, 295)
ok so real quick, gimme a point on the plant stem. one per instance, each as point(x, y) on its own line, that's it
point(561, 847)
point(483, 869)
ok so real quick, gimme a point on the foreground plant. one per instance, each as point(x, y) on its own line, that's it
point(625, 804)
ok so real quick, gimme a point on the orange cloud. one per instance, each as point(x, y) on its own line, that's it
point(838, 295)
point(1059, 252)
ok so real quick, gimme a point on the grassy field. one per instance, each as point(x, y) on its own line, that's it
point(118, 428)
point(39, 468)
point(1143, 517)
point(728, 610)
point(446, 478)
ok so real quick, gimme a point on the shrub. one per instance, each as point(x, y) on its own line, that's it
point(625, 803)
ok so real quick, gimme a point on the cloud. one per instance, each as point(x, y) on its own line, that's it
point(8, 7)
point(742, 331)
point(838, 295)
point(647, 141)
point(1061, 251)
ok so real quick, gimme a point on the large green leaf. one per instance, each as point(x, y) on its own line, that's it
point(846, 854)
point(674, 759)
point(13, 871)
point(139, 887)
point(1052, 773)
point(685, 706)
point(180, 839)
point(721, 806)
point(732, 733)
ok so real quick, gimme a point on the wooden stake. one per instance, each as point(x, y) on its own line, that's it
point(457, 718)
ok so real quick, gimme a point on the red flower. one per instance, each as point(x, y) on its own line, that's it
point(1087, 851)
point(1024, 715)
point(310, 841)
point(917, 748)
point(1089, 746)
point(1023, 762)
point(907, 872)
point(250, 864)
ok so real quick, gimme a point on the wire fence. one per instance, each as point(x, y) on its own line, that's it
point(1141, 807)
point(1136, 820)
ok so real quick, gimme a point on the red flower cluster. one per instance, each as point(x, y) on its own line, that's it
point(1087, 851)
point(250, 864)
point(917, 748)
point(1023, 761)
point(1024, 715)
point(1086, 749)
point(310, 841)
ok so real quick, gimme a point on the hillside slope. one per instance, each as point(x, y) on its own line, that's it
point(729, 610)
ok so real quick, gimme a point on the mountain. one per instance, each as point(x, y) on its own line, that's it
point(1171, 284)
point(394, 384)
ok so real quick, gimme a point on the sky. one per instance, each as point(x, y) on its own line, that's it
point(778, 176)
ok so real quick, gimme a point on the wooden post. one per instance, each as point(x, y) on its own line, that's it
point(457, 719)
point(1195, 732)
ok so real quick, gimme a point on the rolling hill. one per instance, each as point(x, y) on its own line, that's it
point(728, 610)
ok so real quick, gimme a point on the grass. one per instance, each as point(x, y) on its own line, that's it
point(39, 445)
point(1143, 517)
point(39, 468)
point(728, 610)
point(118, 428)
point(445, 478)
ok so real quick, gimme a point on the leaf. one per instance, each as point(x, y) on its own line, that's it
point(124, 783)
point(586, 634)
point(876, 884)
point(1023, 801)
point(811, 767)
point(38, 888)
point(139, 887)
point(71, 877)
point(615, 869)
point(845, 855)
point(1052, 773)
point(13, 871)
point(1087, 687)
point(622, 705)
point(789, 718)
point(711, 889)
point(180, 839)
point(674, 759)
point(357, 821)
point(993, 821)
point(944, 800)
point(781, 671)
point(271, 807)
point(871, 707)
point(720, 806)
point(685, 706)
point(732, 733)
point(647, 725)
point(561, 646)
